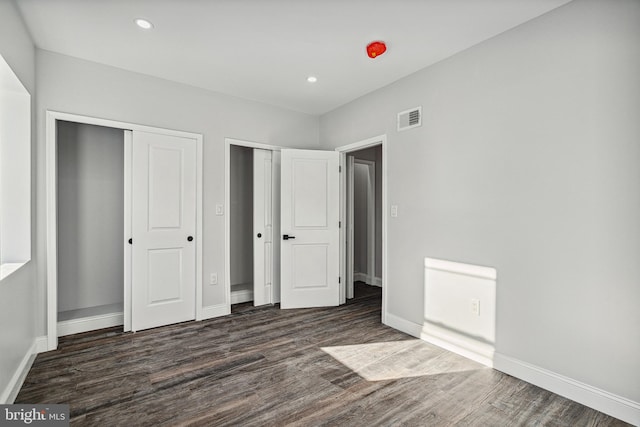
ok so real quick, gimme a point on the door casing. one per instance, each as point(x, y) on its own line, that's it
point(51, 225)
point(344, 150)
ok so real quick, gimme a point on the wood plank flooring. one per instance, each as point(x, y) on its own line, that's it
point(271, 367)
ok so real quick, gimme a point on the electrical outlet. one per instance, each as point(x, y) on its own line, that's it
point(213, 279)
point(394, 211)
point(475, 306)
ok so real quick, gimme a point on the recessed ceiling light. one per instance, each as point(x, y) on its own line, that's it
point(312, 79)
point(144, 24)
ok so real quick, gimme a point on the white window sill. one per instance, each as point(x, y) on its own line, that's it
point(8, 268)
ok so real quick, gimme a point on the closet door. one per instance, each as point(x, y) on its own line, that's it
point(163, 229)
point(262, 227)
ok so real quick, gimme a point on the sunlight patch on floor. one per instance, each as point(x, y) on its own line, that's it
point(399, 359)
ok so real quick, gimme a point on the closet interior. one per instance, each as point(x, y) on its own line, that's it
point(241, 223)
point(366, 203)
point(90, 226)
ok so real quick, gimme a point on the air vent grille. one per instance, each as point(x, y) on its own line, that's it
point(410, 118)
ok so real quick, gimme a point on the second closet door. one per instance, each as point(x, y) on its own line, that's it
point(163, 230)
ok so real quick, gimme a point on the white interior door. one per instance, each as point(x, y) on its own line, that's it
point(310, 228)
point(163, 230)
point(262, 227)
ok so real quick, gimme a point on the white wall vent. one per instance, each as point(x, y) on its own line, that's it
point(410, 119)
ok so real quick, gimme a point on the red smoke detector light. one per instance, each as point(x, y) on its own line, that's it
point(375, 49)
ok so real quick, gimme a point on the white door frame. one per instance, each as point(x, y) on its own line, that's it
point(228, 142)
point(371, 225)
point(344, 150)
point(349, 234)
point(52, 200)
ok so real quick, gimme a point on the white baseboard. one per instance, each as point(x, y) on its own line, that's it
point(215, 311)
point(469, 348)
point(403, 325)
point(478, 351)
point(84, 324)
point(241, 296)
point(362, 277)
point(12, 389)
point(42, 344)
point(593, 397)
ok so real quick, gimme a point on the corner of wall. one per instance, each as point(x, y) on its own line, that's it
point(12, 389)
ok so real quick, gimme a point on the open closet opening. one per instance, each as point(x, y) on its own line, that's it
point(253, 223)
point(364, 213)
point(124, 225)
point(90, 227)
point(241, 224)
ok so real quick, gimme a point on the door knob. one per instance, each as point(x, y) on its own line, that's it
point(190, 238)
point(287, 237)
point(259, 235)
point(131, 241)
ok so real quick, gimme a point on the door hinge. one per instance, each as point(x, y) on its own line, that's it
point(339, 168)
point(339, 224)
point(339, 279)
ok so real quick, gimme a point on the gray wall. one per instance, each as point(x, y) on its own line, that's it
point(18, 304)
point(241, 211)
point(81, 87)
point(90, 216)
point(527, 161)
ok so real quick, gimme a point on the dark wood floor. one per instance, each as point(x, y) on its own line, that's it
point(266, 366)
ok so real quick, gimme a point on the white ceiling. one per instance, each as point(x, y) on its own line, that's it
point(265, 49)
